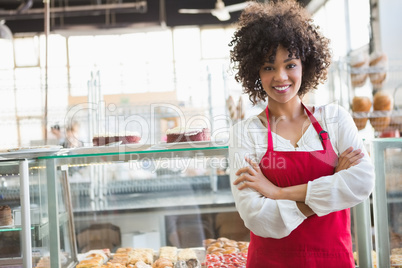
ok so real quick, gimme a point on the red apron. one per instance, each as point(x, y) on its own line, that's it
point(317, 242)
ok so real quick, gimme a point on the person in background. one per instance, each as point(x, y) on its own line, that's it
point(72, 136)
point(296, 169)
point(56, 131)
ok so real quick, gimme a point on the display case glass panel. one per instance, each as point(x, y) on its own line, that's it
point(387, 201)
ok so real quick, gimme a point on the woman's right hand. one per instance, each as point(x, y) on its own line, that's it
point(348, 159)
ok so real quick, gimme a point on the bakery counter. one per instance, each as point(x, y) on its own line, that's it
point(167, 194)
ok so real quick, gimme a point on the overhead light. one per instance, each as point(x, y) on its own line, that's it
point(5, 32)
point(221, 14)
point(6, 47)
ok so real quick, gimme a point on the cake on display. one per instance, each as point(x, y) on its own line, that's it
point(182, 134)
point(108, 138)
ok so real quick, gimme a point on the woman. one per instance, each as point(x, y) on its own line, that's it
point(295, 169)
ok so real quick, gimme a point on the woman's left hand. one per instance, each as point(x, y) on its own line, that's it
point(252, 177)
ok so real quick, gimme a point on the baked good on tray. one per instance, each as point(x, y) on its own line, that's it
point(223, 245)
point(361, 105)
point(182, 134)
point(187, 258)
point(5, 216)
point(141, 254)
point(382, 106)
point(379, 63)
point(162, 263)
point(139, 264)
point(359, 64)
point(169, 253)
point(125, 138)
point(113, 265)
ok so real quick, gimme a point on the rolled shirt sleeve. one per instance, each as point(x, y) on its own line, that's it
point(349, 187)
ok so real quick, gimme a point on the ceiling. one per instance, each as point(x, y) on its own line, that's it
point(27, 16)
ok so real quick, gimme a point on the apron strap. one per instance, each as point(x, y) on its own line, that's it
point(270, 142)
point(322, 134)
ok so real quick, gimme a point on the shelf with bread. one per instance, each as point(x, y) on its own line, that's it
point(379, 112)
point(373, 66)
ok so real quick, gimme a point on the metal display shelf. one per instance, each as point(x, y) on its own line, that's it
point(81, 159)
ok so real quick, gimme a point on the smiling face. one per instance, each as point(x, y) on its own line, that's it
point(281, 78)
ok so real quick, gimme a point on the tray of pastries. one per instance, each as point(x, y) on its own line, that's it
point(220, 252)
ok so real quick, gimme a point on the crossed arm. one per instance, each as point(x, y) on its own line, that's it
point(252, 177)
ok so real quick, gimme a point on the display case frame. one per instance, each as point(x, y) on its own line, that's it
point(45, 232)
point(380, 199)
point(26, 252)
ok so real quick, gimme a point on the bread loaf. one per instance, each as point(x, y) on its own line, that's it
point(382, 101)
point(378, 64)
point(382, 104)
point(361, 106)
point(359, 64)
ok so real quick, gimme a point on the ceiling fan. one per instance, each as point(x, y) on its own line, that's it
point(220, 11)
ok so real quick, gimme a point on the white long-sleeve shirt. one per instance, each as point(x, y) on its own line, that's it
point(277, 218)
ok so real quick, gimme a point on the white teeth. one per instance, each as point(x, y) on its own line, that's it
point(281, 88)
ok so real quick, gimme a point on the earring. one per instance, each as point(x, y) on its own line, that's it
point(258, 85)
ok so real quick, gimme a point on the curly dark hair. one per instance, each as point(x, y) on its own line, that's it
point(261, 29)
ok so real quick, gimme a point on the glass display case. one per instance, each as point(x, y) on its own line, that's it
point(36, 216)
point(145, 196)
point(117, 196)
point(387, 201)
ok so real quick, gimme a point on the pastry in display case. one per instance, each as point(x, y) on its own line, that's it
point(232, 254)
point(5, 216)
